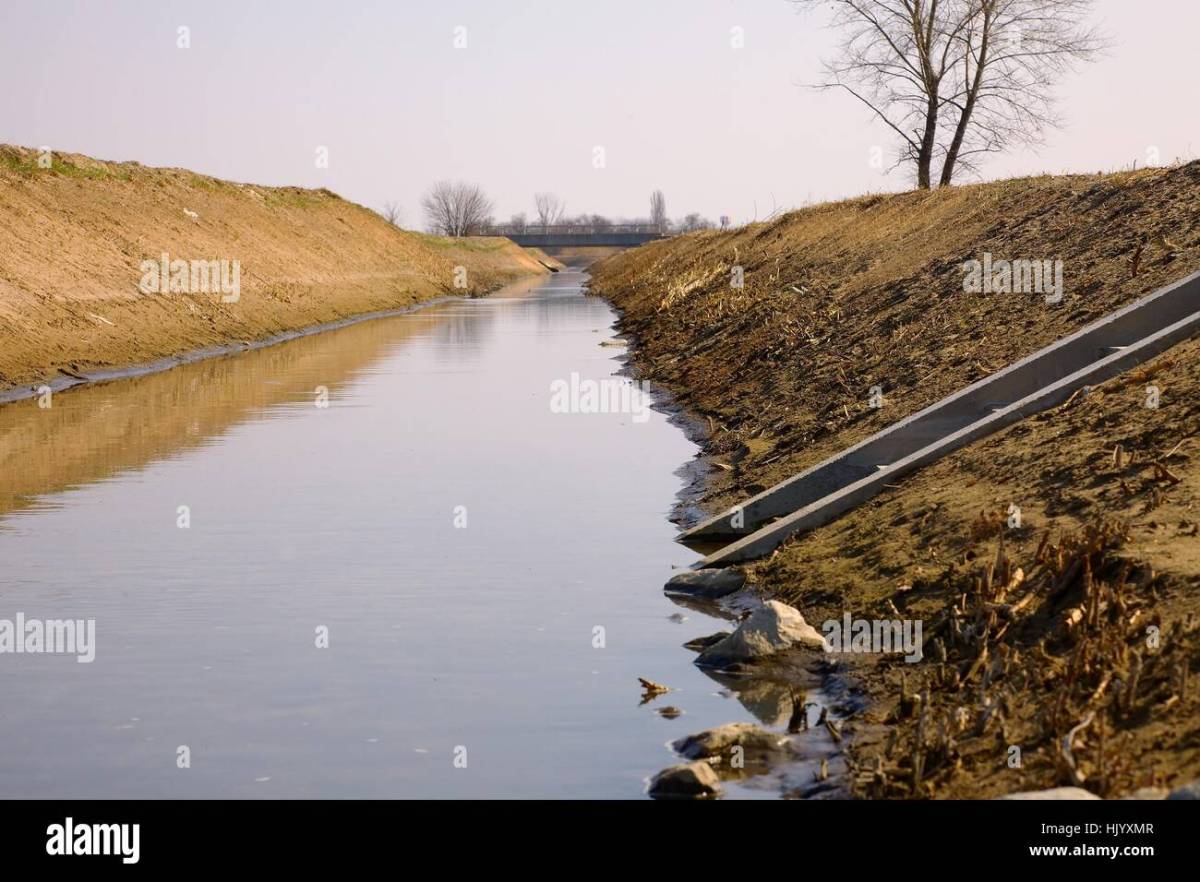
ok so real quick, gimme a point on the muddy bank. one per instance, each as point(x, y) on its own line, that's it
point(84, 244)
point(1054, 568)
point(799, 704)
point(1058, 646)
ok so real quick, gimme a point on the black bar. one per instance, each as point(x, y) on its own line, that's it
point(771, 837)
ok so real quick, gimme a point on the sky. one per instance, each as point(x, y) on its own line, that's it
point(599, 102)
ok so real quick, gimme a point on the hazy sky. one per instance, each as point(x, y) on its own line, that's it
point(539, 85)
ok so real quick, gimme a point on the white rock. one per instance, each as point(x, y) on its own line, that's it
point(771, 628)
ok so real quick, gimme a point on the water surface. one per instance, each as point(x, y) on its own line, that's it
point(513, 642)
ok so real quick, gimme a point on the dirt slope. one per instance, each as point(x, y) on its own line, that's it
point(73, 238)
point(842, 297)
point(1081, 621)
point(1109, 497)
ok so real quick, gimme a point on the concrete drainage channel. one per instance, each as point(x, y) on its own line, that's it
point(1102, 350)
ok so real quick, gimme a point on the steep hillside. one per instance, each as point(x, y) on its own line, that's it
point(843, 297)
point(74, 238)
point(1070, 632)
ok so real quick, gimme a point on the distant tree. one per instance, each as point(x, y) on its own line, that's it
point(550, 209)
point(599, 221)
point(392, 213)
point(519, 222)
point(694, 221)
point(957, 78)
point(457, 208)
point(658, 210)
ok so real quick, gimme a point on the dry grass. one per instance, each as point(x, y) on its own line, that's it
point(842, 297)
point(1104, 466)
point(1068, 675)
point(74, 236)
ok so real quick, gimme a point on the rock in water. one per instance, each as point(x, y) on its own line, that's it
point(707, 584)
point(686, 781)
point(719, 741)
point(702, 643)
point(771, 628)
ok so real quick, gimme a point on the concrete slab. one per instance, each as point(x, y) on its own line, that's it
point(1093, 354)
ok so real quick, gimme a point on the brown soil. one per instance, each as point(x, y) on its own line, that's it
point(845, 296)
point(1108, 497)
point(924, 551)
point(75, 235)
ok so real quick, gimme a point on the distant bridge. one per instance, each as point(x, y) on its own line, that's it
point(565, 235)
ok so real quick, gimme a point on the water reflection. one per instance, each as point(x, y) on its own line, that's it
point(94, 432)
point(519, 635)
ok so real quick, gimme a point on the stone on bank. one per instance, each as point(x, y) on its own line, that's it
point(771, 628)
point(710, 584)
point(721, 740)
point(686, 781)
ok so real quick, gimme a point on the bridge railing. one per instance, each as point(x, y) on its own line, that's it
point(571, 230)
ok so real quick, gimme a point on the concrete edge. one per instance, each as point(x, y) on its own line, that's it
point(821, 512)
point(705, 529)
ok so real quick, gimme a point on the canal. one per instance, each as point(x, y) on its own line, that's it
point(372, 562)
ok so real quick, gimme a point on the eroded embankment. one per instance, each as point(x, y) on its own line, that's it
point(1070, 637)
point(75, 235)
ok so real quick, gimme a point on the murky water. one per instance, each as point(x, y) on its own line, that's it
point(488, 571)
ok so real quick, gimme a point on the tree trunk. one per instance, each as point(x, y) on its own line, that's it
point(925, 155)
point(964, 119)
point(956, 145)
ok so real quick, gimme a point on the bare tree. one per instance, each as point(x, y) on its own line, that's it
point(957, 77)
point(894, 57)
point(519, 222)
point(1013, 51)
point(550, 209)
point(392, 213)
point(457, 208)
point(658, 210)
point(694, 221)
